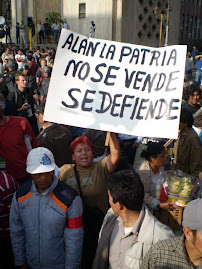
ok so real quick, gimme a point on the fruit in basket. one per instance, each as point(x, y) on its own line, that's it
point(185, 180)
point(172, 199)
point(182, 201)
point(184, 192)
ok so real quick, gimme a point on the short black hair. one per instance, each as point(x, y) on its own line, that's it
point(153, 149)
point(190, 90)
point(127, 188)
point(187, 117)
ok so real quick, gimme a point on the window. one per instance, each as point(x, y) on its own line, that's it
point(82, 10)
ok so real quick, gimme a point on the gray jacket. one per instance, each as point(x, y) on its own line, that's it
point(151, 231)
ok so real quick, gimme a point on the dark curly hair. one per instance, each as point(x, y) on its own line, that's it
point(153, 150)
point(190, 90)
point(126, 188)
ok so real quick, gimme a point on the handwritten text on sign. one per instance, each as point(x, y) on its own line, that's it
point(116, 87)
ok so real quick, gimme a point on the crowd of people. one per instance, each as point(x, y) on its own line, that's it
point(43, 31)
point(81, 198)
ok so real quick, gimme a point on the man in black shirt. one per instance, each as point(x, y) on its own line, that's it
point(23, 98)
point(191, 96)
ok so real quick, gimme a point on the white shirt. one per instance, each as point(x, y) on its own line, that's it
point(20, 57)
point(39, 28)
point(66, 26)
point(55, 27)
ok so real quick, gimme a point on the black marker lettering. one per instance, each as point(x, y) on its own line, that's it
point(124, 104)
point(87, 101)
point(92, 48)
point(114, 105)
point(141, 107)
point(138, 79)
point(75, 102)
point(83, 45)
point(102, 109)
point(123, 53)
point(86, 73)
point(75, 67)
point(170, 80)
point(111, 51)
point(171, 107)
point(98, 72)
point(162, 114)
point(69, 40)
point(108, 75)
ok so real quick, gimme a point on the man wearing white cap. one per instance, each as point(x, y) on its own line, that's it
point(182, 252)
point(46, 218)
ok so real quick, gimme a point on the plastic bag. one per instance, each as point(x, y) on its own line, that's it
point(182, 188)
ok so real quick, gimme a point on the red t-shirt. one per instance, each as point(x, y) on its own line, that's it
point(32, 68)
point(12, 145)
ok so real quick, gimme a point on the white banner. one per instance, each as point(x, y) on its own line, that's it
point(117, 87)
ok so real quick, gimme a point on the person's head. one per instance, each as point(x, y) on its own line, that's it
point(25, 69)
point(192, 94)
point(92, 22)
point(21, 81)
point(82, 151)
point(30, 53)
point(43, 62)
point(194, 47)
point(7, 50)
point(11, 66)
point(155, 153)
point(29, 58)
point(125, 189)
point(192, 226)
point(56, 21)
point(20, 52)
point(17, 23)
point(2, 106)
point(41, 166)
point(38, 52)
point(46, 20)
point(188, 55)
point(65, 21)
point(186, 120)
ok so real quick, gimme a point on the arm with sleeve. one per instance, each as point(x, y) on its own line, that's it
point(148, 198)
point(73, 234)
point(27, 130)
point(17, 234)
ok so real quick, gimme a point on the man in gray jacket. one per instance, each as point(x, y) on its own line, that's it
point(128, 234)
point(46, 218)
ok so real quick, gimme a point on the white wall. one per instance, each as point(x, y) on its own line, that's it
point(99, 11)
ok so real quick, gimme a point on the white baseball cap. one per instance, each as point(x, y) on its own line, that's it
point(40, 160)
point(192, 215)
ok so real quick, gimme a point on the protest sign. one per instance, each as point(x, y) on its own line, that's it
point(116, 87)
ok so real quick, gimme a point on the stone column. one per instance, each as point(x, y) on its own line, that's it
point(13, 19)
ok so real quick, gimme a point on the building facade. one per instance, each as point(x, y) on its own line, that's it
point(132, 21)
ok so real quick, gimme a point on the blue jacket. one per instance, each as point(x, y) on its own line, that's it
point(46, 229)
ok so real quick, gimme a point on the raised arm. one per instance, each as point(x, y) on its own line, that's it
point(198, 56)
point(114, 156)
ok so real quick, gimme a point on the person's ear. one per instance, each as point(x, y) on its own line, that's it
point(120, 206)
point(188, 234)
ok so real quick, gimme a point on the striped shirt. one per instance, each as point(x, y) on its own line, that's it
point(8, 186)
